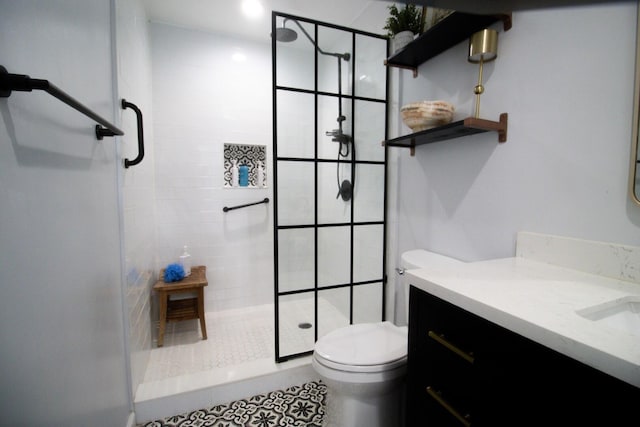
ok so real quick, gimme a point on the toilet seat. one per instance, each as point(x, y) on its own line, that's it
point(366, 347)
point(360, 368)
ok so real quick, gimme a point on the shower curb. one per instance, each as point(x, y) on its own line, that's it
point(288, 374)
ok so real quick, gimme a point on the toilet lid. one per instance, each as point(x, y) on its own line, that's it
point(365, 344)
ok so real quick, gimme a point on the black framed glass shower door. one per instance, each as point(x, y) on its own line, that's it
point(330, 171)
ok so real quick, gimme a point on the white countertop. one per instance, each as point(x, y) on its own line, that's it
point(539, 301)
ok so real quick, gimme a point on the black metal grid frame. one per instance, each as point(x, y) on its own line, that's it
point(316, 161)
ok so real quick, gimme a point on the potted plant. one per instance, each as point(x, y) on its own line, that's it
point(403, 24)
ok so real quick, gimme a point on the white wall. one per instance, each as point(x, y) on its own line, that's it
point(61, 319)
point(565, 76)
point(203, 99)
point(138, 182)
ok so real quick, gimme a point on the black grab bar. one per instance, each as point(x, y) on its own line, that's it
point(20, 82)
point(138, 159)
point(227, 209)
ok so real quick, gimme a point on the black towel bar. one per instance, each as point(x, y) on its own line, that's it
point(138, 159)
point(227, 209)
point(20, 82)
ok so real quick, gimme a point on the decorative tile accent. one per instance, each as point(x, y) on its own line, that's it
point(296, 406)
point(248, 155)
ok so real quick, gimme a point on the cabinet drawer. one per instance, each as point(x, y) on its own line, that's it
point(450, 375)
point(435, 412)
point(458, 330)
point(442, 343)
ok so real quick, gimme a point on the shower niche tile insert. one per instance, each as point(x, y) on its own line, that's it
point(253, 156)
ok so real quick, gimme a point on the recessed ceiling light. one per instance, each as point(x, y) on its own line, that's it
point(239, 57)
point(252, 8)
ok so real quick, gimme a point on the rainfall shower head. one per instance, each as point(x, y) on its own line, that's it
point(286, 35)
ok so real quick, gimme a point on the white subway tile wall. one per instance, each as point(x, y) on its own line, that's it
point(203, 100)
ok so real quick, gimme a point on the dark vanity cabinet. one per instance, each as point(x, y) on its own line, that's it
point(466, 371)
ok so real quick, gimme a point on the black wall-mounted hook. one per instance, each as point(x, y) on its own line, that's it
point(140, 156)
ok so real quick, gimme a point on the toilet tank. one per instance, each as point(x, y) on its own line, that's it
point(416, 258)
point(421, 258)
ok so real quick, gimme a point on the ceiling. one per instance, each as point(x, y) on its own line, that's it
point(225, 16)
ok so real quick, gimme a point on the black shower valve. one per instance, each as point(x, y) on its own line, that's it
point(345, 190)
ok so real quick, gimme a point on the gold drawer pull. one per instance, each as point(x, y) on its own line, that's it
point(436, 395)
point(440, 339)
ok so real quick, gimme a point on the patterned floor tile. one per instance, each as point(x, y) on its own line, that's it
point(299, 406)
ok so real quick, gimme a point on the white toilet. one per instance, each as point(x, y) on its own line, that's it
point(364, 365)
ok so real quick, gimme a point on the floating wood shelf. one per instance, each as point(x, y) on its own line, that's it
point(450, 31)
point(468, 126)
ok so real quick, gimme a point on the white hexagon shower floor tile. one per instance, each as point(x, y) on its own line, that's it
point(233, 338)
point(300, 406)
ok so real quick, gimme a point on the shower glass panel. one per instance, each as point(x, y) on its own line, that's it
point(366, 303)
point(370, 77)
point(331, 70)
point(369, 200)
point(296, 59)
point(333, 310)
point(368, 243)
point(295, 125)
point(296, 188)
point(334, 255)
point(328, 122)
point(369, 130)
point(332, 210)
point(329, 118)
point(295, 319)
point(297, 258)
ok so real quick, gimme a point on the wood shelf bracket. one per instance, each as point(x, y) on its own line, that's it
point(500, 126)
point(404, 67)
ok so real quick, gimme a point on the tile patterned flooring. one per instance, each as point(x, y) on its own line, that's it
point(296, 406)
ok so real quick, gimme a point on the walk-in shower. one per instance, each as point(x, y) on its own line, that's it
point(329, 97)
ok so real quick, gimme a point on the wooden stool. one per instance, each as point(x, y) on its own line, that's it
point(185, 308)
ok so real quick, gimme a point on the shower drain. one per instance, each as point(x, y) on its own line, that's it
point(304, 325)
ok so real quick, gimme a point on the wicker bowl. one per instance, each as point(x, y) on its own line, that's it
point(424, 115)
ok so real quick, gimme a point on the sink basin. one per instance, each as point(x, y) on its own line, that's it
point(622, 314)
